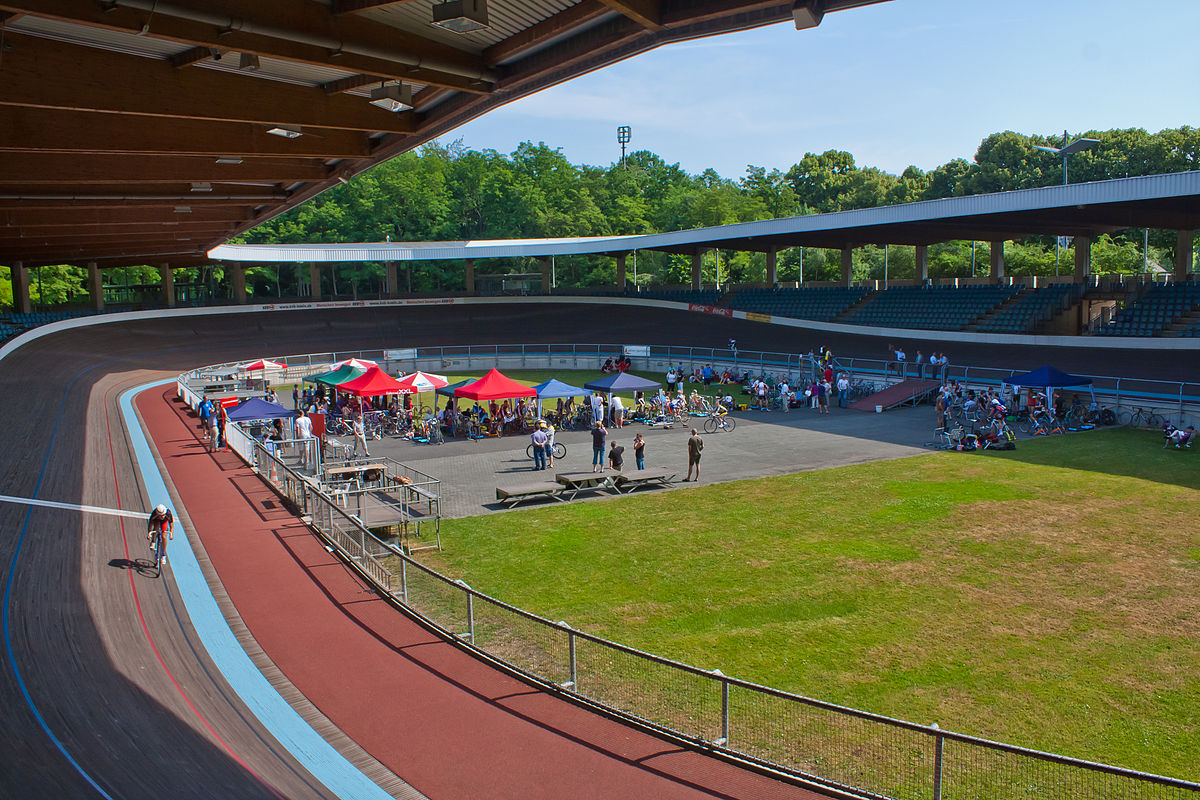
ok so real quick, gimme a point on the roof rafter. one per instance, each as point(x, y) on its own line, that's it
point(41, 73)
point(291, 30)
point(72, 169)
point(647, 13)
point(31, 130)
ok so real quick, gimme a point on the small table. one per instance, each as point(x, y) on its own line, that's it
point(576, 482)
point(360, 472)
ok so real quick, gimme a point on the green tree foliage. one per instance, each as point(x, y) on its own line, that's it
point(449, 192)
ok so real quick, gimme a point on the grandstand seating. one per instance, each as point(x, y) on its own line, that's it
point(1030, 308)
point(706, 297)
point(929, 308)
point(1160, 306)
point(823, 303)
point(15, 324)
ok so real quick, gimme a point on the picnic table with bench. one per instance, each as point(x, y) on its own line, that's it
point(515, 495)
point(363, 473)
point(633, 480)
point(576, 482)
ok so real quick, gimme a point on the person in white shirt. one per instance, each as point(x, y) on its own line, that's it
point(617, 409)
point(900, 365)
point(843, 387)
point(671, 378)
point(785, 396)
point(304, 434)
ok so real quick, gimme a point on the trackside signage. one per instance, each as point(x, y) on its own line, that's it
point(717, 310)
point(420, 301)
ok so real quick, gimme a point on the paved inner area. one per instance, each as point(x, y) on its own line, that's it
point(764, 443)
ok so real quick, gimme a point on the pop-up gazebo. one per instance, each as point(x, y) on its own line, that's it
point(256, 408)
point(555, 388)
point(1049, 378)
point(622, 382)
point(494, 386)
point(373, 383)
point(336, 377)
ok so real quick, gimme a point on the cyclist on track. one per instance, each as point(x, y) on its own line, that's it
point(161, 520)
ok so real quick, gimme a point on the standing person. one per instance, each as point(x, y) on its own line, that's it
point(296, 396)
point(597, 407)
point(843, 389)
point(671, 377)
point(919, 361)
point(617, 409)
point(616, 456)
point(599, 434)
point(304, 434)
point(360, 434)
point(220, 420)
point(695, 445)
point(205, 410)
point(827, 375)
point(823, 397)
point(900, 363)
point(639, 451)
point(785, 396)
point(549, 429)
point(539, 438)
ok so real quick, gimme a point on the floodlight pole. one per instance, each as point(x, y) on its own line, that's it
point(624, 134)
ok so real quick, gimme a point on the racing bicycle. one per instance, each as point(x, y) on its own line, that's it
point(560, 450)
point(719, 422)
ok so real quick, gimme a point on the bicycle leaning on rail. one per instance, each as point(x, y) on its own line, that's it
point(1141, 418)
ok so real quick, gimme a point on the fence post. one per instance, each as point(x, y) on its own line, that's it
point(404, 580)
point(939, 745)
point(724, 738)
point(573, 683)
point(470, 611)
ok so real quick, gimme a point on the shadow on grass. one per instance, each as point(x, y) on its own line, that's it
point(1124, 451)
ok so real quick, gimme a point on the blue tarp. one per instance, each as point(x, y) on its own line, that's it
point(556, 388)
point(622, 382)
point(1047, 377)
point(257, 408)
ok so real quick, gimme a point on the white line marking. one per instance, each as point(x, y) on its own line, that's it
point(114, 512)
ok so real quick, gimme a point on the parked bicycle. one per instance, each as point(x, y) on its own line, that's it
point(560, 450)
point(1141, 418)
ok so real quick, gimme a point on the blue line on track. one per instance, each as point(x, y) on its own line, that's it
point(316, 755)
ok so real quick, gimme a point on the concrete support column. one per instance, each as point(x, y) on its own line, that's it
point(314, 281)
point(1083, 258)
point(545, 261)
point(237, 280)
point(392, 287)
point(847, 265)
point(1183, 254)
point(997, 260)
point(621, 271)
point(469, 278)
point(168, 284)
point(20, 288)
point(697, 261)
point(772, 266)
point(95, 286)
point(922, 257)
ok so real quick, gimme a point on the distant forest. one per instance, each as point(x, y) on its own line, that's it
point(449, 193)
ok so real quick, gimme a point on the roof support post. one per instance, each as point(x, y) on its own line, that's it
point(997, 259)
point(1083, 258)
point(621, 271)
point(95, 282)
point(168, 284)
point(545, 262)
point(1184, 246)
point(314, 281)
point(392, 286)
point(922, 259)
point(772, 266)
point(469, 276)
point(847, 265)
point(20, 288)
point(237, 280)
point(697, 263)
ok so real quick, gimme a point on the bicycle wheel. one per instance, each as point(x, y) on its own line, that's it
point(729, 423)
point(560, 450)
point(1124, 416)
point(1156, 421)
point(529, 452)
point(710, 425)
point(1026, 425)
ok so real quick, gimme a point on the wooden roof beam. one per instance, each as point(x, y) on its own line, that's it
point(353, 82)
point(290, 30)
point(193, 55)
point(647, 13)
point(166, 237)
point(34, 218)
point(75, 254)
point(339, 7)
point(32, 130)
point(62, 232)
point(560, 25)
point(70, 169)
point(40, 73)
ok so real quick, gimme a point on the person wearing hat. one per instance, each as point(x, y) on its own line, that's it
point(539, 439)
point(549, 429)
point(161, 520)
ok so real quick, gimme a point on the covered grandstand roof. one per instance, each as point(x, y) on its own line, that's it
point(1153, 201)
point(140, 131)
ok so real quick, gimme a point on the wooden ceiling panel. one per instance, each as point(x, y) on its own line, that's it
point(72, 168)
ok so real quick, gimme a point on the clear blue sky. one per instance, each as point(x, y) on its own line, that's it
point(905, 82)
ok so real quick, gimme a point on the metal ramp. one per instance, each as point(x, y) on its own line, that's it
point(908, 392)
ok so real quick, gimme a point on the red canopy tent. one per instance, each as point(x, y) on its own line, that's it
point(494, 386)
point(372, 383)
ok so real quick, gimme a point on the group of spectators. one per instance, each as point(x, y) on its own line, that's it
point(621, 363)
point(899, 361)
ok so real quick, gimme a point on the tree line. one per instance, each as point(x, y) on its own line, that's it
point(450, 192)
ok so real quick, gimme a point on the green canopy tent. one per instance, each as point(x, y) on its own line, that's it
point(448, 391)
point(336, 376)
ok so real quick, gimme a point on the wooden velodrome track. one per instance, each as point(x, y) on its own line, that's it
point(123, 690)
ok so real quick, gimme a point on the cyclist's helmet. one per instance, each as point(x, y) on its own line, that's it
point(160, 509)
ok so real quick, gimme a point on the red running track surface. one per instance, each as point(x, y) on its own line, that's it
point(444, 721)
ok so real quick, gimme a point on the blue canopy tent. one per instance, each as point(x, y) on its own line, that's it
point(256, 408)
point(1049, 378)
point(555, 388)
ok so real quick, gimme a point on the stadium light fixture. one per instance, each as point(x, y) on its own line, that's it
point(394, 97)
point(808, 13)
point(229, 160)
point(286, 131)
point(461, 16)
point(1077, 146)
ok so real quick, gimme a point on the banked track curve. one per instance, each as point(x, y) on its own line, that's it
point(142, 711)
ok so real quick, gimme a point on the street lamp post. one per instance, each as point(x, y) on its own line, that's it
point(1077, 146)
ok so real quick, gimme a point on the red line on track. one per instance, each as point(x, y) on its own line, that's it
point(447, 723)
point(146, 628)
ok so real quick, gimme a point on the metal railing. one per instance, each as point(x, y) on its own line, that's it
point(864, 754)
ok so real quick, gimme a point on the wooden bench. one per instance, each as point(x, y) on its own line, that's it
point(628, 482)
point(419, 493)
point(515, 495)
